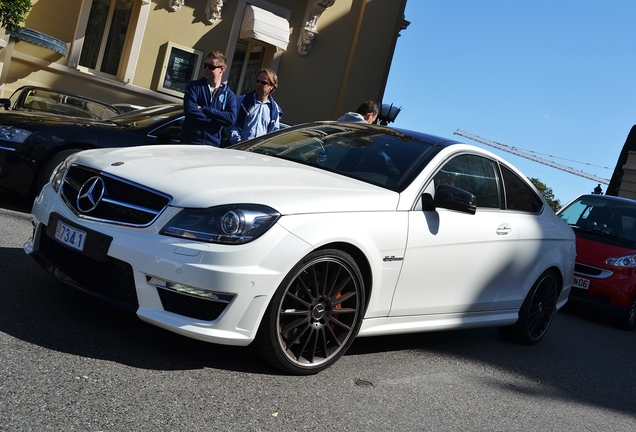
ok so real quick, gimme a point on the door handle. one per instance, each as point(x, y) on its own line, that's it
point(504, 229)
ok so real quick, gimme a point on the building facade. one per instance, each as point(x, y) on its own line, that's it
point(330, 55)
point(623, 181)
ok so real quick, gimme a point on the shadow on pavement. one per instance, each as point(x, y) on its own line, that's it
point(42, 311)
point(582, 358)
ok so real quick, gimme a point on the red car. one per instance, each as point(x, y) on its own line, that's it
point(605, 270)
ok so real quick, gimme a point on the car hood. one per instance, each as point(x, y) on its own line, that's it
point(595, 253)
point(204, 176)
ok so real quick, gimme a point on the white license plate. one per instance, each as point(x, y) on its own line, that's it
point(578, 282)
point(70, 236)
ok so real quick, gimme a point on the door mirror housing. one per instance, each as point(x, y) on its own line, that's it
point(451, 198)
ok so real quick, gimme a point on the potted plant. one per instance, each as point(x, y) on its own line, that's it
point(13, 13)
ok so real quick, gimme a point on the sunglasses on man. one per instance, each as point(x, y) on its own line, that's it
point(210, 66)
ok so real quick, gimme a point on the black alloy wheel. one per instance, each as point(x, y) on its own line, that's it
point(314, 315)
point(536, 313)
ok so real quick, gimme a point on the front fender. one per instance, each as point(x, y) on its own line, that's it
point(380, 236)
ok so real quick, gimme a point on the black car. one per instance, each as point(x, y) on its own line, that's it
point(33, 144)
point(40, 99)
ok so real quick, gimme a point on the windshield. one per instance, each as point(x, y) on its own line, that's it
point(613, 217)
point(70, 105)
point(147, 116)
point(377, 155)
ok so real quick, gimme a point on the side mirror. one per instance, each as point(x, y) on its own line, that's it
point(451, 198)
point(6, 103)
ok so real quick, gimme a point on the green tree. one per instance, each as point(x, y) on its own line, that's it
point(13, 13)
point(547, 193)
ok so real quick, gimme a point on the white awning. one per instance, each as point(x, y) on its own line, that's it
point(264, 26)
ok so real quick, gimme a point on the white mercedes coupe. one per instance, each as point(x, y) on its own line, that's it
point(301, 240)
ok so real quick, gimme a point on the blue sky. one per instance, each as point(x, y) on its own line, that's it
point(557, 78)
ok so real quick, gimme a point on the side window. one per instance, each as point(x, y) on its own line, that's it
point(519, 196)
point(474, 174)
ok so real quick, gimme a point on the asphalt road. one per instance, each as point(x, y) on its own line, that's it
point(69, 362)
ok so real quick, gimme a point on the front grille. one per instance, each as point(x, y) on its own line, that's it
point(112, 279)
point(123, 202)
point(182, 304)
point(590, 271)
point(585, 269)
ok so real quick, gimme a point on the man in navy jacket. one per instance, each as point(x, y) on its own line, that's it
point(209, 105)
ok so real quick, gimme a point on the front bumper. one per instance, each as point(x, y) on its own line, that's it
point(597, 302)
point(609, 292)
point(163, 278)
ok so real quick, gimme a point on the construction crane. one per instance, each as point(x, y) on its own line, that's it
point(530, 156)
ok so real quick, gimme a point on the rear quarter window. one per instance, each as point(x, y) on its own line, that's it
point(519, 196)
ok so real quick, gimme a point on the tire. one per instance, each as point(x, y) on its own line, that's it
point(47, 168)
point(314, 315)
point(536, 313)
point(628, 320)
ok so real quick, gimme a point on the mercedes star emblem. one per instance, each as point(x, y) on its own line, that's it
point(90, 194)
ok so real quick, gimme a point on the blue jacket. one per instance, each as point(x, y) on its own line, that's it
point(248, 102)
point(205, 125)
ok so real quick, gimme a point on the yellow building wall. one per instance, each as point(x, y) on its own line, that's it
point(186, 27)
point(54, 18)
point(347, 65)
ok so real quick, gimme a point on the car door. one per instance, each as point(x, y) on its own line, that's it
point(538, 237)
point(456, 262)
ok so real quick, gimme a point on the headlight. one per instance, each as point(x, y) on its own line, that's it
point(58, 174)
point(14, 134)
point(229, 224)
point(624, 261)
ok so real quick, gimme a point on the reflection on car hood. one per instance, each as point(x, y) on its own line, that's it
point(43, 119)
point(204, 176)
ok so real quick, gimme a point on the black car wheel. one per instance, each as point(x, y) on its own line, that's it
point(47, 168)
point(536, 313)
point(628, 319)
point(314, 315)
